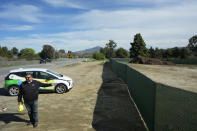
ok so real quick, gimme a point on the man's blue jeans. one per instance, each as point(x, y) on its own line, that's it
point(32, 108)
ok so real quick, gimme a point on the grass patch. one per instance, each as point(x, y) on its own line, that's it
point(102, 63)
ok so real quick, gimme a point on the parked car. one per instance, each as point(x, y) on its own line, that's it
point(16, 77)
point(42, 61)
point(48, 60)
point(45, 60)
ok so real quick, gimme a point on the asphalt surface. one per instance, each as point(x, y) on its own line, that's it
point(54, 64)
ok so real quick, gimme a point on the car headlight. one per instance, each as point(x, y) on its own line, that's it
point(69, 82)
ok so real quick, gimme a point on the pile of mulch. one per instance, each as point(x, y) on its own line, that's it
point(150, 61)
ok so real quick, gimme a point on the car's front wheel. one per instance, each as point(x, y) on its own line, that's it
point(60, 88)
point(13, 90)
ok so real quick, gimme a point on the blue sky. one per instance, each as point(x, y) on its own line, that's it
point(81, 24)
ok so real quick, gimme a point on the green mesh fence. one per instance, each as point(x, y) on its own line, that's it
point(162, 107)
point(176, 109)
point(184, 61)
point(141, 88)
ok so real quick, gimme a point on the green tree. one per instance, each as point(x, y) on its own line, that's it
point(122, 53)
point(0, 51)
point(167, 53)
point(56, 55)
point(47, 52)
point(158, 53)
point(193, 45)
point(14, 51)
point(152, 52)
point(4, 51)
point(9, 54)
point(27, 53)
point(108, 51)
point(184, 53)
point(62, 53)
point(98, 56)
point(176, 52)
point(138, 47)
point(104, 51)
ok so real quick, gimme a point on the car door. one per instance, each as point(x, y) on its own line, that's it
point(44, 77)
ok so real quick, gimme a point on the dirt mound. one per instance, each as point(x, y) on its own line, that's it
point(151, 61)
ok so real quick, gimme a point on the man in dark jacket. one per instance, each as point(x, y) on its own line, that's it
point(29, 91)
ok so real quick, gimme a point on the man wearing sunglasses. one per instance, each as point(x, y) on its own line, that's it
point(29, 91)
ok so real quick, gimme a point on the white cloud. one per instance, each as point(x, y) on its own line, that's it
point(16, 27)
point(169, 26)
point(28, 13)
point(22, 43)
point(37, 43)
point(64, 3)
point(150, 3)
point(173, 17)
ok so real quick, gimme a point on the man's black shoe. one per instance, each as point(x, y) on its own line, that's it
point(29, 123)
point(35, 125)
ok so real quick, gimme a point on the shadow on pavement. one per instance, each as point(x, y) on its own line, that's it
point(46, 92)
point(11, 117)
point(114, 110)
point(3, 92)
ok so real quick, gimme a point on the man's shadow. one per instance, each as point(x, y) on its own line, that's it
point(114, 110)
point(11, 117)
point(3, 92)
point(107, 108)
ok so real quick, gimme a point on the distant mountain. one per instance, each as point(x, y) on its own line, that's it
point(90, 50)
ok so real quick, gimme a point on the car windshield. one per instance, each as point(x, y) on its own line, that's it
point(54, 73)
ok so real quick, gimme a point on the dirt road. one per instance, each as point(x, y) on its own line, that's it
point(71, 111)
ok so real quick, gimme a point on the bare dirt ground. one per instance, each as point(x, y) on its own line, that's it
point(180, 76)
point(71, 111)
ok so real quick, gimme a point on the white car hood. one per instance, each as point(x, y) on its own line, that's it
point(65, 78)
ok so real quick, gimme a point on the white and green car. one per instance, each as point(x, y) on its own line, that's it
point(16, 77)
